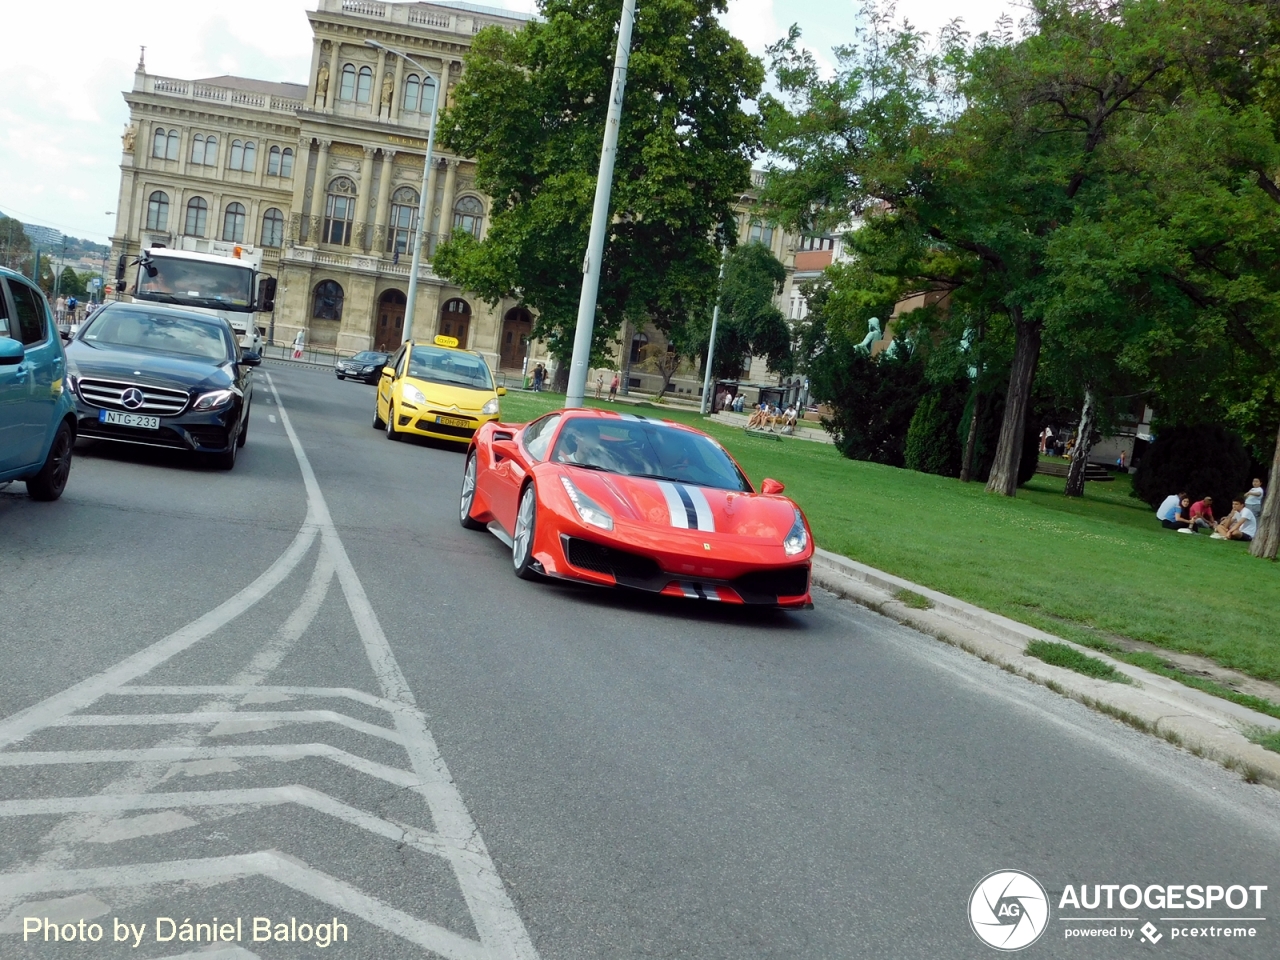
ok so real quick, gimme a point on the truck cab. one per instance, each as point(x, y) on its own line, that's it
point(223, 282)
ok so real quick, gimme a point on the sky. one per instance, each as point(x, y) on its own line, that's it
point(66, 63)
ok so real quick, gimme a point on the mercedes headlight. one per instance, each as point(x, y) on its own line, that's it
point(413, 394)
point(797, 539)
point(212, 400)
point(490, 407)
point(368, 369)
point(588, 509)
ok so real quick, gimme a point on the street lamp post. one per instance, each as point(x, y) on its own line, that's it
point(711, 347)
point(411, 299)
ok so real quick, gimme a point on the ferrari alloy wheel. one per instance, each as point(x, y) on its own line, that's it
point(469, 494)
point(392, 432)
point(522, 539)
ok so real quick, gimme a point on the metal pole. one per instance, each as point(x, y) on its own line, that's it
point(711, 347)
point(600, 214)
point(411, 298)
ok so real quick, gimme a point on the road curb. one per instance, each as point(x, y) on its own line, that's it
point(1204, 724)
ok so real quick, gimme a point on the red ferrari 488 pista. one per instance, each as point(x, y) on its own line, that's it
point(615, 499)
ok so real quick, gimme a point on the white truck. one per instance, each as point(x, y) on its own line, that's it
point(215, 277)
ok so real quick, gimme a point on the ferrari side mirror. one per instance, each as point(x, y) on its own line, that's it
point(770, 487)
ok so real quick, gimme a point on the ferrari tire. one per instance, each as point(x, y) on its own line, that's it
point(469, 494)
point(392, 432)
point(522, 539)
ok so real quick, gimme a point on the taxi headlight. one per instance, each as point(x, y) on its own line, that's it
point(490, 407)
point(413, 394)
point(797, 539)
point(588, 509)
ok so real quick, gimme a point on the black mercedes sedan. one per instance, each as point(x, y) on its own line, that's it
point(159, 377)
point(365, 366)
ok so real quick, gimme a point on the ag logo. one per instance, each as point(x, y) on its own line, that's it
point(1008, 910)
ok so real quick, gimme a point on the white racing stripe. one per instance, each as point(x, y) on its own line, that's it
point(675, 506)
point(706, 522)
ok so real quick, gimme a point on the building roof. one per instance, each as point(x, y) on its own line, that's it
point(293, 91)
point(481, 8)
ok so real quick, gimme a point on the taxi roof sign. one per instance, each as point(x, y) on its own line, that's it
point(443, 341)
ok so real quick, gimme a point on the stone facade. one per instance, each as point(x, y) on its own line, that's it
point(324, 178)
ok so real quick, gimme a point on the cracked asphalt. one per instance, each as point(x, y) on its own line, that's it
point(650, 779)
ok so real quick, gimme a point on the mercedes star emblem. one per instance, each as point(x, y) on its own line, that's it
point(132, 399)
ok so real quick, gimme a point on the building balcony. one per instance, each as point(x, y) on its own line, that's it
point(445, 19)
point(213, 93)
point(370, 264)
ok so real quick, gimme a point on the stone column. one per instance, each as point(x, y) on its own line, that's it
point(316, 55)
point(362, 199)
point(298, 208)
point(184, 151)
point(425, 230)
point(253, 222)
point(319, 186)
point(334, 79)
point(384, 196)
point(446, 207)
point(398, 95)
point(377, 85)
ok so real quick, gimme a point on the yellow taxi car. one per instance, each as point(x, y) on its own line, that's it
point(433, 389)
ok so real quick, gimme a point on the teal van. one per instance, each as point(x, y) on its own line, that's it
point(37, 413)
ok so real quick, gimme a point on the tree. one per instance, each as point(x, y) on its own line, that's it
point(15, 246)
point(750, 323)
point(968, 159)
point(530, 109)
point(72, 284)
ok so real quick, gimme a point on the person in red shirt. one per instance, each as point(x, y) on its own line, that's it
point(1202, 514)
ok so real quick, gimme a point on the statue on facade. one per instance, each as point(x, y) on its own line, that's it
point(322, 83)
point(130, 137)
point(388, 88)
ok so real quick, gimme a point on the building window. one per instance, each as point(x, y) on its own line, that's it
point(760, 233)
point(242, 156)
point(468, 214)
point(272, 228)
point(158, 211)
point(326, 304)
point(817, 243)
point(273, 162)
point(638, 343)
point(364, 85)
point(197, 211)
point(233, 223)
point(339, 211)
point(286, 162)
point(419, 96)
point(164, 145)
point(280, 164)
point(404, 218)
point(204, 150)
point(347, 91)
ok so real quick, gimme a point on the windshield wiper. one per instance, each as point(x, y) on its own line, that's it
point(156, 295)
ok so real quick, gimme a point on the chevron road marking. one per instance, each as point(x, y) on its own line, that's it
point(456, 839)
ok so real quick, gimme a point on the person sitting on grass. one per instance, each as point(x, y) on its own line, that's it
point(1171, 512)
point(1202, 515)
point(1240, 524)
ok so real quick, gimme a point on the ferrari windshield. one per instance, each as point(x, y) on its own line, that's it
point(121, 326)
point(438, 365)
point(643, 448)
point(222, 286)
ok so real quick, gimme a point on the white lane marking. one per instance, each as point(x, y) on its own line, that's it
point(17, 726)
point(271, 751)
point(675, 506)
point(706, 520)
point(148, 825)
point(499, 925)
point(266, 863)
point(297, 794)
point(227, 953)
point(271, 417)
point(83, 906)
point(248, 691)
point(210, 717)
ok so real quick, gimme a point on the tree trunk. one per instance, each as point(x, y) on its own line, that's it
point(1026, 354)
point(1080, 453)
point(966, 469)
point(1267, 539)
point(626, 359)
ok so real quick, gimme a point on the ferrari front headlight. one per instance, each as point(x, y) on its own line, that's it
point(490, 408)
point(797, 539)
point(413, 394)
point(590, 511)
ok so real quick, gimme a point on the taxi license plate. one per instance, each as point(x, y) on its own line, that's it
point(129, 420)
point(451, 422)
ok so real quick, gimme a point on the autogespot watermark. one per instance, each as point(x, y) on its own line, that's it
point(1010, 910)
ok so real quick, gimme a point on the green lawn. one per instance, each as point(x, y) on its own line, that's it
point(1081, 569)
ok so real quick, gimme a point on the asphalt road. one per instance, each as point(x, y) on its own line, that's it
point(478, 766)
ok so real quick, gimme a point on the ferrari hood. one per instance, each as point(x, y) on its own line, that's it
point(670, 504)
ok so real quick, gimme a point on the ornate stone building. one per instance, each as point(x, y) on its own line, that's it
point(324, 178)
